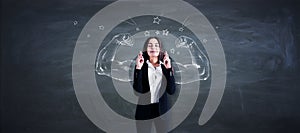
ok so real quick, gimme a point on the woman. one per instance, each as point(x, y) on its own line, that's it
point(153, 79)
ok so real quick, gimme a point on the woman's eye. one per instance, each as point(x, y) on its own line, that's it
point(155, 45)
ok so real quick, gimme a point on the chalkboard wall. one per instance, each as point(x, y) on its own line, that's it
point(260, 41)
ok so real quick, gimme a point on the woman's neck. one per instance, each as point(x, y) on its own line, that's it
point(154, 61)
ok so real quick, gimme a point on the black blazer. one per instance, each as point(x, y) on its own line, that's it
point(141, 85)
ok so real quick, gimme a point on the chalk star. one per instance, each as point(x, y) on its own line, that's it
point(101, 27)
point(137, 29)
point(172, 50)
point(157, 32)
point(147, 33)
point(75, 22)
point(165, 32)
point(88, 35)
point(156, 20)
point(181, 29)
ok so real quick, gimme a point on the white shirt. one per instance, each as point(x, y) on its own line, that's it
point(155, 77)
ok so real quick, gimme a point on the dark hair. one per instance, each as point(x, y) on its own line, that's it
point(161, 53)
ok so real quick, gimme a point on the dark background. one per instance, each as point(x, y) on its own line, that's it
point(260, 40)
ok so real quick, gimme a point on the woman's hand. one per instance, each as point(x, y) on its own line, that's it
point(167, 61)
point(139, 61)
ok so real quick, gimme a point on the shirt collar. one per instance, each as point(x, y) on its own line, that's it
point(149, 63)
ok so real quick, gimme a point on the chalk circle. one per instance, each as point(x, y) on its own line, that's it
point(83, 70)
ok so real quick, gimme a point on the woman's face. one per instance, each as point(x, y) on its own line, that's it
point(153, 48)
